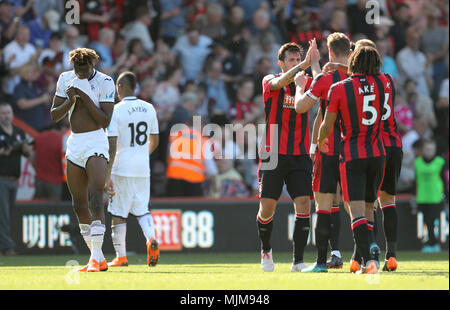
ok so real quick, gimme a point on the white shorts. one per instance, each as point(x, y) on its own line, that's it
point(81, 146)
point(132, 195)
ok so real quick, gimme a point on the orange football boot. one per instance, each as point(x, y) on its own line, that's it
point(119, 262)
point(103, 266)
point(152, 252)
point(354, 266)
point(371, 268)
point(390, 264)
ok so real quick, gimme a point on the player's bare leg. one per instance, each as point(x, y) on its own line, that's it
point(96, 173)
point(77, 184)
point(265, 223)
point(361, 234)
point(324, 203)
point(118, 236)
point(388, 207)
point(302, 207)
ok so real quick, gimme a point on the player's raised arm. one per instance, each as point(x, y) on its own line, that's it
point(287, 77)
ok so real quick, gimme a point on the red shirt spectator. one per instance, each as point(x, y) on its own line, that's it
point(48, 147)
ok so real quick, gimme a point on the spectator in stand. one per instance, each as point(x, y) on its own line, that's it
point(250, 7)
point(172, 20)
point(389, 65)
point(163, 60)
point(70, 42)
point(48, 148)
point(301, 26)
point(420, 131)
point(244, 110)
point(403, 115)
point(383, 28)
point(16, 54)
point(261, 25)
point(356, 14)
point(264, 46)
point(421, 105)
point(213, 26)
point(216, 92)
point(237, 34)
point(120, 46)
point(228, 182)
point(32, 103)
point(337, 23)
point(192, 50)
point(167, 95)
point(26, 9)
point(232, 69)
point(410, 54)
point(103, 47)
point(197, 11)
point(262, 68)
point(435, 46)
point(402, 23)
point(99, 14)
point(47, 5)
point(139, 28)
point(8, 22)
point(54, 53)
point(147, 88)
point(138, 56)
point(442, 113)
point(10, 19)
point(12, 146)
point(42, 28)
point(327, 9)
point(280, 13)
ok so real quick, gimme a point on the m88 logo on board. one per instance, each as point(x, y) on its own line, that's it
point(175, 229)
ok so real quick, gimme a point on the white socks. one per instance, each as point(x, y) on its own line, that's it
point(118, 235)
point(85, 231)
point(148, 228)
point(97, 234)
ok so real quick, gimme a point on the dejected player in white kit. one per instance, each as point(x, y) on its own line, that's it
point(133, 135)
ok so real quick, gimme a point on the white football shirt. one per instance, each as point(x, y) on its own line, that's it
point(102, 86)
point(133, 121)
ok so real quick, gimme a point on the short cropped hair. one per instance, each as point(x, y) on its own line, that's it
point(128, 78)
point(365, 60)
point(291, 47)
point(339, 43)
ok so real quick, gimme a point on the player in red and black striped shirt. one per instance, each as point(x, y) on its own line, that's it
point(326, 165)
point(358, 102)
point(285, 154)
point(394, 156)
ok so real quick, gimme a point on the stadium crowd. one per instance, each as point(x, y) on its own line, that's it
point(208, 57)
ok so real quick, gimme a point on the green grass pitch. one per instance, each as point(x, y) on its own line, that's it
point(215, 271)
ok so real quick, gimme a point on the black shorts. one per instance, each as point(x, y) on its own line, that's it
point(361, 178)
point(294, 170)
point(326, 173)
point(394, 157)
